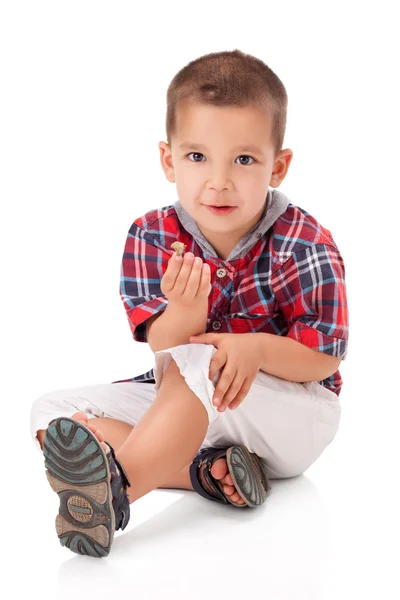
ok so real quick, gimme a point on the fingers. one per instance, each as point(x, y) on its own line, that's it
point(217, 362)
point(186, 277)
point(227, 387)
point(172, 272)
point(240, 396)
point(205, 283)
point(231, 390)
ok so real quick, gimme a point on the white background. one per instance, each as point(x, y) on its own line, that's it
point(83, 102)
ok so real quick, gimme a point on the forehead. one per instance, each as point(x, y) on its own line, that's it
point(206, 125)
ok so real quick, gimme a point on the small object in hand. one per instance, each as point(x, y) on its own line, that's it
point(178, 247)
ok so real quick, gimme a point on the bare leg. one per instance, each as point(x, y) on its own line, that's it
point(167, 438)
point(118, 433)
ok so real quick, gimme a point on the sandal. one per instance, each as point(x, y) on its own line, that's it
point(246, 469)
point(91, 484)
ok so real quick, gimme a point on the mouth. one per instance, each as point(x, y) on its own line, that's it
point(223, 210)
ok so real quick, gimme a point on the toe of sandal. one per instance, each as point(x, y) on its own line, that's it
point(246, 469)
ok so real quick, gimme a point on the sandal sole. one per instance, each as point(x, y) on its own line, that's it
point(78, 471)
point(247, 475)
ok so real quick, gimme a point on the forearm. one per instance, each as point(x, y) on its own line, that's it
point(176, 325)
point(288, 359)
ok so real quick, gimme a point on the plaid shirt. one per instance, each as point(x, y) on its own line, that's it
point(286, 277)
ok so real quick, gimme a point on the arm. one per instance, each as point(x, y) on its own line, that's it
point(291, 360)
point(310, 293)
point(175, 326)
point(151, 317)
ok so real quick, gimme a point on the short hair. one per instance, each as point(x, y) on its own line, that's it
point(230, 78)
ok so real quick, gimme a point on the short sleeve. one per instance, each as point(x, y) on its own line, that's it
point(310, 291)
point(144, 263)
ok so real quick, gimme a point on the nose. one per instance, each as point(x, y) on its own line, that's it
point(219, 180)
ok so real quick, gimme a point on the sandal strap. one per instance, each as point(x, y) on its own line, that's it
point(118, 485)
point(124, 475)
point(207, 456)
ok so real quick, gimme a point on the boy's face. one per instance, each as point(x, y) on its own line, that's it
point(211, 161)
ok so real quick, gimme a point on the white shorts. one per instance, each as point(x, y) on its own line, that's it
point(287, 424)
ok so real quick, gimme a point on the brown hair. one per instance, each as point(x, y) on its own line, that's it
point(229, 78)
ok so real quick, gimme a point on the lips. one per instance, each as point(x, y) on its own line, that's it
point(219, 210)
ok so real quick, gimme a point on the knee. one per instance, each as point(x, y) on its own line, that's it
point(172, 371)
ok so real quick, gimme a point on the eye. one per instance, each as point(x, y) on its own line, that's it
point(198, 154)
point(242, 155)
point(246, 156)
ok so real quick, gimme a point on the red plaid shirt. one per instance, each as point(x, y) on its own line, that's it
point(286, 276)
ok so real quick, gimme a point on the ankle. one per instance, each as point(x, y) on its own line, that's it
point(180, 481)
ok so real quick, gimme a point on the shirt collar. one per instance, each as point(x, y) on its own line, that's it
point(276, 203)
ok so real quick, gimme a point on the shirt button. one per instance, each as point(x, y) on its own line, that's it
point(258, 234)
point(221, 273)
point(216, 325)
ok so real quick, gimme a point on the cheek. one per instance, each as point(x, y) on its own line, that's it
point(188, 183)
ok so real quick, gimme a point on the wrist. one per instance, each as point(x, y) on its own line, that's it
point(177, 324)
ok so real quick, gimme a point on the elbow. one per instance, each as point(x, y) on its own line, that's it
point(331, 368)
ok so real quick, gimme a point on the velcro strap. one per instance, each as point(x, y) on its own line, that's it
point(124, 475)
point(207, 456)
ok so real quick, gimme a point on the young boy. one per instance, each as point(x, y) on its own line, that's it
point(266, 270)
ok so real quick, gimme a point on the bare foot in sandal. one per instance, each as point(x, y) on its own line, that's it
point(220, 471)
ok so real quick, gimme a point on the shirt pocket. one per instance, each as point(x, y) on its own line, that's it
point(247, 322)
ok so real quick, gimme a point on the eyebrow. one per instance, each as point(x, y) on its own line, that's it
point(246, 148)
